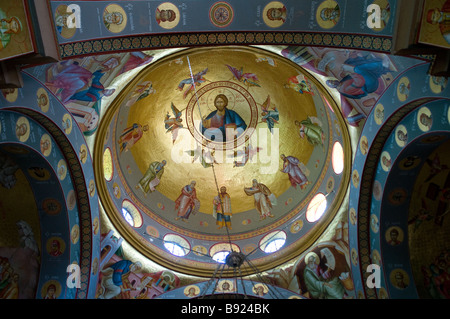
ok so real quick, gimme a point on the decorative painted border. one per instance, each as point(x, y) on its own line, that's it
point(376, 43)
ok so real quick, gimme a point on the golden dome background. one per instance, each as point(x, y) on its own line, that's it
point(155, 144)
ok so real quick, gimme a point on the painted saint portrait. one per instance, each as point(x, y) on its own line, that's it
point(264, 199)
point(394, 236)
point(22, 129)
point(114, 18)
point(130, 136)
point(167, 15)
point(187, 202)
point(222, 209)
point(42, 100)
point(424, 119)
point(328, 14)
point(9, 27)
point(15, 36)
point(275, 14)
point(401, 135)
point(435, 26)
point(399, 278)
point(60, 18)
point(152, 177)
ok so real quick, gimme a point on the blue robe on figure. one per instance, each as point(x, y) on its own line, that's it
point(230, 119)
point(120, 268)
point(94, 92)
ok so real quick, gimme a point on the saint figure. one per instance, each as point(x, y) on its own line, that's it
point(130, 136)
point(264, 199)
point(187, 203)
point(152, 177)
point(311, 129)
point(222, 209)
point(291, 166)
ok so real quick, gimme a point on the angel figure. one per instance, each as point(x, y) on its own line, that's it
point(142, 90)
point(206, 158)
point(173, 124)
point(423, 214)
point(247, 154)
point(269, 116)
point(299, 83)
point(192, 81)
point(435, 167)
point(248, 79)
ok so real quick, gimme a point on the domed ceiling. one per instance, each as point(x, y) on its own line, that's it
point(236, 120)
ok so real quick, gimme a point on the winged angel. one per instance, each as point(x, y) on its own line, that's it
point(198, 79)
point(249, 79)
point(173, 124)
point(269, 115)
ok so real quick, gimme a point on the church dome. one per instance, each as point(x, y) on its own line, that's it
point(207, 121)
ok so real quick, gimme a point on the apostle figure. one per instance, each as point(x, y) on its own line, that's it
point(264, 199)
point(363, 76)
point(95, 92)
point(112, 278)
point(66, 78)
point(321, 284)
point(187, 203)
point(130, 136)
point(291, 166)
point(222, 209)
point(221, 123)
point(311, 129)
point(152, 177)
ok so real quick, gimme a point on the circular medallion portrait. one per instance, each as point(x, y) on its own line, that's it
point(328, 14)
point(114, 18)
point(167, 15)
point(274, 14)
point(61, 16)
point(403, 89)
point(424, 119)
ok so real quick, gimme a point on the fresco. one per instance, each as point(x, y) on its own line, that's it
point(360, 77)
point(434, 27)
point(80, 84)
point(15, 30)
point(324, 271)
point(121, 278)
point(428, 215)
point(230, 155)
point(51, 154)
point(20, 258)
point(144, 17)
